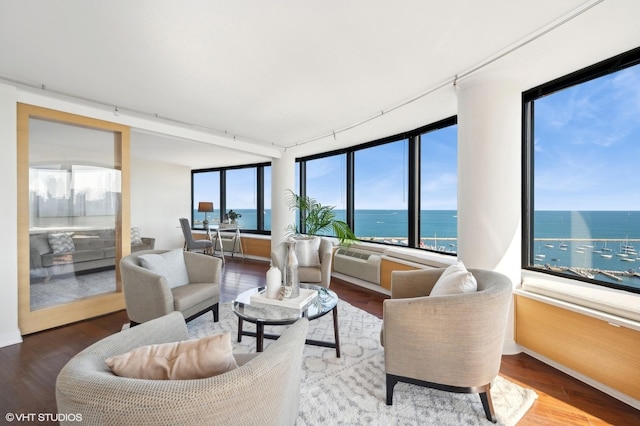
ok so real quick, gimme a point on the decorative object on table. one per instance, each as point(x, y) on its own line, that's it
point(205, 207)
point(316, 218)
point(300, 302)
point(291, 287)
point(232, 217)
point(274, 282)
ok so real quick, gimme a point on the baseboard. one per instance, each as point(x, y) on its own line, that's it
point(9, 339)
point(593, 383)
point(510, 347)
point(361, 283)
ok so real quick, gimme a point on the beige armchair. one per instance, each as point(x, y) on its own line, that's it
point(451, 343)
point(148, 295)
point(263, 390)
point(320, 275)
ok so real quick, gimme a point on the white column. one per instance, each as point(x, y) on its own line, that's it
point(9, 331)
point(282, 179)
point(489, 177)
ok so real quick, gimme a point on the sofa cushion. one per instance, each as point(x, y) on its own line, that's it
point(61, 242)
point(170, 265)
point(455, 280)
point(307, 251)
point(185, 360)
point(39, 243)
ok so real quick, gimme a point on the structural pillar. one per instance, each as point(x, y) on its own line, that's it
point(489, 177)
point(282, 179)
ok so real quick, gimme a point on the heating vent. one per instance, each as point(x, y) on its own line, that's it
point(358, 263)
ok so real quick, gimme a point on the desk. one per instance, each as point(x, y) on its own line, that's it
point(216, 237)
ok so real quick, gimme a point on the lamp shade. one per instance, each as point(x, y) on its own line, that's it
point(205, 207)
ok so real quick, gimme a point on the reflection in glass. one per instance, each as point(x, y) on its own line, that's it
point(74, 201)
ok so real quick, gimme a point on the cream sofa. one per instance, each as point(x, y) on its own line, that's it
point(263, 390)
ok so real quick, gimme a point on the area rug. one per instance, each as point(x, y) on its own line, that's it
point(350, 390)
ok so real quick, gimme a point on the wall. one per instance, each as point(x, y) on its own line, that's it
point(160, 195)
point(9, 332)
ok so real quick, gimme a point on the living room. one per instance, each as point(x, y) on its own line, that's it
point(168, 141)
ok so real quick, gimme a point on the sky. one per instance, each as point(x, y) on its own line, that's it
point(587, 147)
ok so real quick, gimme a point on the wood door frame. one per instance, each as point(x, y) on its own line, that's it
point(41, 319)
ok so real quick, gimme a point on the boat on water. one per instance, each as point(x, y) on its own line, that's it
point(606, 256)
point(548, 245)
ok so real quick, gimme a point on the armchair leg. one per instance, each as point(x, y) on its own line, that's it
point(215, 311)
point(487, 404)
point(391, 382)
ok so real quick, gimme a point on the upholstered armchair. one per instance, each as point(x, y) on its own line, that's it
point(452, 342)
point(314, 264)
point(263, 390)
point(152, 293)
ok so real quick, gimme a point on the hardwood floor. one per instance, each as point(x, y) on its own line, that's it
point(28, 370)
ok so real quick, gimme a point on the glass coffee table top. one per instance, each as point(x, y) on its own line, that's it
point(320, 305)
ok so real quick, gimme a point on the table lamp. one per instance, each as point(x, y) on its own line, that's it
point(205, 207)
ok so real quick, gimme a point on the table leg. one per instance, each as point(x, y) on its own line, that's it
point(239, 329)
point(336, 333)
point(259, 336)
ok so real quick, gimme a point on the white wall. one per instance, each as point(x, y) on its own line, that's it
point(9, 332)
point(160, 195)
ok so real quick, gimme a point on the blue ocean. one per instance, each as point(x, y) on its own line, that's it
point(584, 240)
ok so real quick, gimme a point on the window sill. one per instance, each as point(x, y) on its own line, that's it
point(617, 307)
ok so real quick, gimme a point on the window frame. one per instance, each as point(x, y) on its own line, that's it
point(600, 69)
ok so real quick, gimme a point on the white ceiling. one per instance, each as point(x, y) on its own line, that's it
point(238, 81)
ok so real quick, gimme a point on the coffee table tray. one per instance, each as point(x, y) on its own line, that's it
point(306, 296)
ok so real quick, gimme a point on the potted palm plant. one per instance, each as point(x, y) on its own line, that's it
point(316, 218)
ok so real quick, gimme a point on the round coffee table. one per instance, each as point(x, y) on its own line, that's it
point(262, 314)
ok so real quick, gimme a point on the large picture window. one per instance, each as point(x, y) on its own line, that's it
point(583, 204)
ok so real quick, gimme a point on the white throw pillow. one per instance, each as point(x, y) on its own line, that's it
point(307, 251)
point(61, 243)
point(136, 235)
point(455, 280)
point(169, 264)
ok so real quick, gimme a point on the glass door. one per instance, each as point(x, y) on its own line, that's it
point(74, 221)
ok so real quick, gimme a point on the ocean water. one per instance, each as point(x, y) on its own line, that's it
point(582, 239)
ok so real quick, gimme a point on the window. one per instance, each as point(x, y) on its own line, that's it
point(380, 193)
point(326, 183)
point(583, 199)
point(439, 189)
point(241, 196)
point(246, 190)
point(400, 190)
point(206, 187)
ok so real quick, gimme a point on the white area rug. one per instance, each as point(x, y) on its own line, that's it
point(351, 390)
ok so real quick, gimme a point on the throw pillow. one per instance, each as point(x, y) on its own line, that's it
point(169, 264)
point(455, 280)
point(307, 251)
point(39, 243)
point(61, 243)
point(136, 235)
point(185, 360)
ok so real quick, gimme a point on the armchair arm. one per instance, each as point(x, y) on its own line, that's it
point(151, 242)
point(414, 283)
point(203, 268)
point(326, 258)
point(147, 295)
